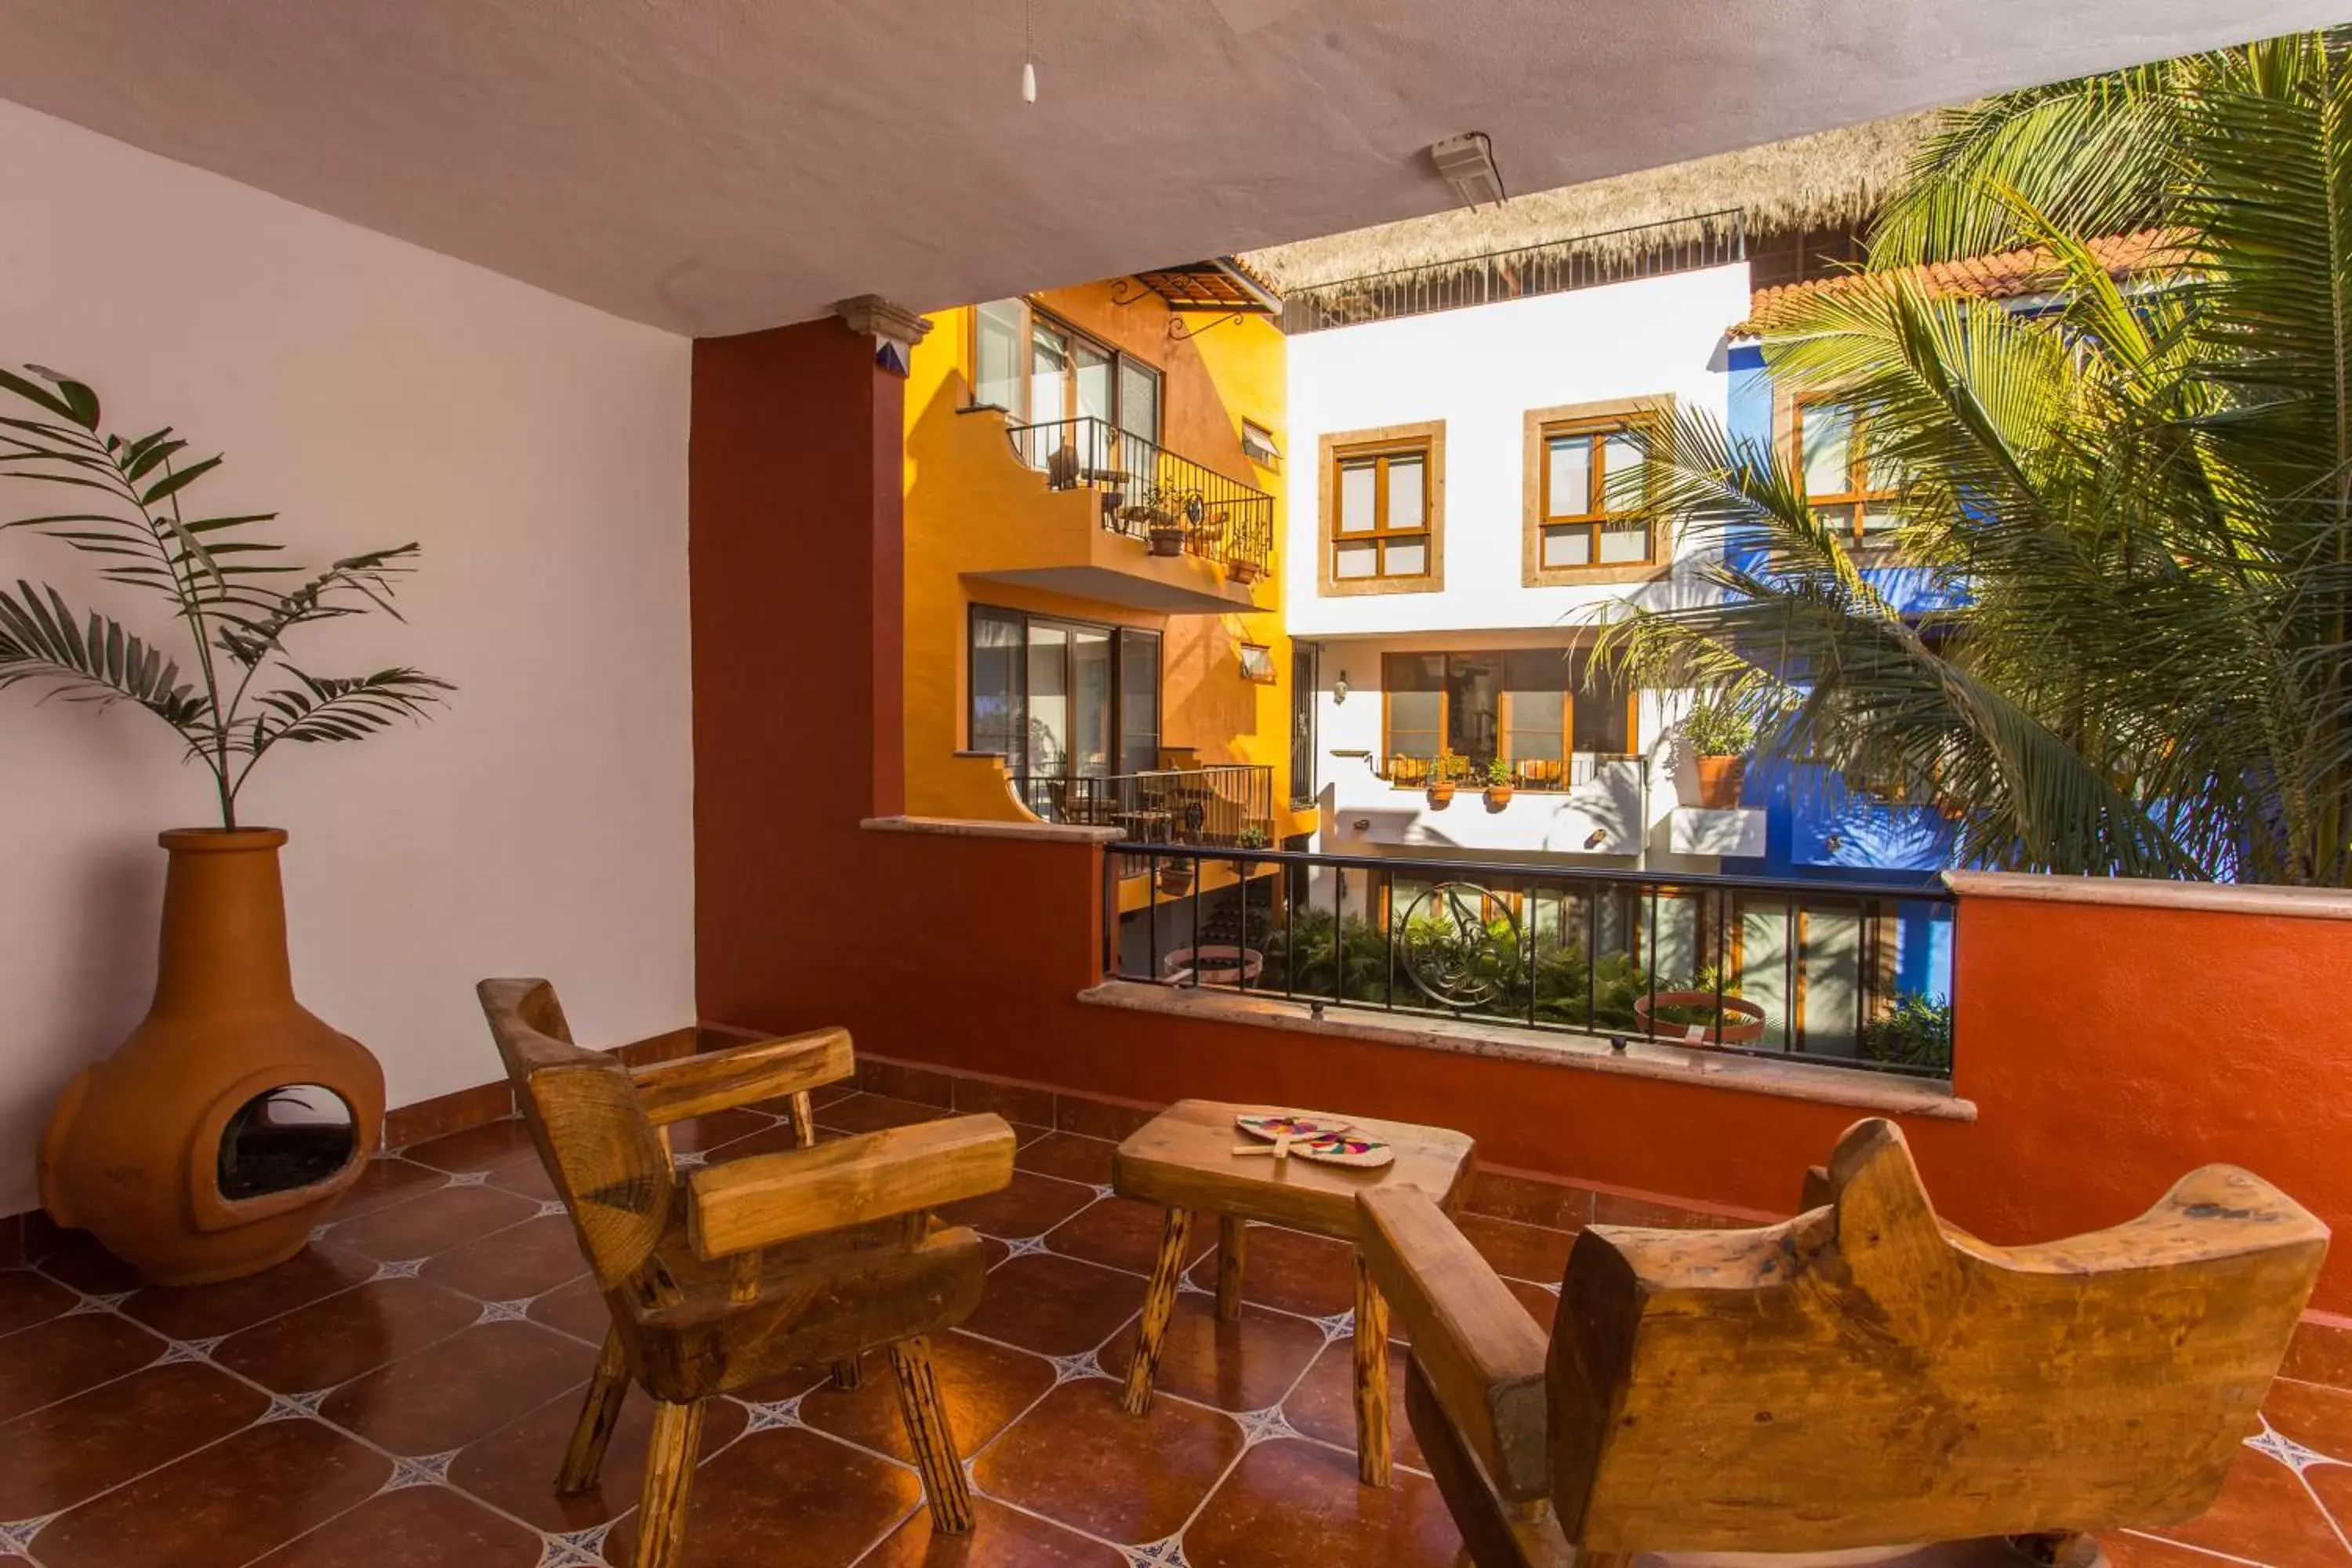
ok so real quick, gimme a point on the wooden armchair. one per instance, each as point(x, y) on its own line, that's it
point(750, 1266)
point(1861, 1374)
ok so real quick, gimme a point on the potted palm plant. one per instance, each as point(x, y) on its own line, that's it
point(1499, 784)
point(147, 1149)
point(1717, 739)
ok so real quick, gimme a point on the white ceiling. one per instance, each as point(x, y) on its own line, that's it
point(718, 165)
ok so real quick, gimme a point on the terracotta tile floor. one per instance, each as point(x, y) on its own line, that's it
point(399, 1394)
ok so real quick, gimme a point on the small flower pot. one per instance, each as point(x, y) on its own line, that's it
point(1166, 539)
point(1176, 879)
point(1747, 1029)
point(1441, 794)
point(1242, 572)
point(1497, 796)
point(1720, 779)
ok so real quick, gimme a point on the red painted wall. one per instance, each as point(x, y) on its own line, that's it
point(2109, 1050)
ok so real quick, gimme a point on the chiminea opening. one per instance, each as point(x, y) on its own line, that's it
point(282, 1139)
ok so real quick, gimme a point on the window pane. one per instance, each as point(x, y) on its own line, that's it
point(1139, 701)
point(1473, 692)
point(1600, 713)
point(1537, 679)
point(1828, 436)
point(1406, 557)
point(1356, 497)
point(1839, 519)
point(1416, 684)
point(1049, 372)
point(996, 355)
point(1879, 520)
point(1094, 382)
point(1090, 704)
point(1138, 400)
point(1624, 541)
point(1048, 739)
point(1355, 558)
point(1570, 546)
point(998, 708)
point(1571, 476)
point(1404, 493)
point(1624, 463)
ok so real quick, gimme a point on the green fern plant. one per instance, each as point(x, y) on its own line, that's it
point(246, 695)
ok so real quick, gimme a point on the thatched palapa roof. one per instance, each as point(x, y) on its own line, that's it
point(1824, 181)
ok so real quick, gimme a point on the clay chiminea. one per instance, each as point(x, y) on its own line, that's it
point(178, 1151)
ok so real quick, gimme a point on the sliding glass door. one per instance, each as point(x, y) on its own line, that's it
point(1063, 700)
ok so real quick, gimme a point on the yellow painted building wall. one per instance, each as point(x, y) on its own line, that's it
point(966, 491)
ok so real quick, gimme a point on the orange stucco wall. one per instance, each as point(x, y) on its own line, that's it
point(967, 496)
point(2109, 1050)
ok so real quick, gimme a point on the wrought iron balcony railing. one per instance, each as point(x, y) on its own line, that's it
point(1228, 803)
point(1171, 502)
point(1847, 975)
point(1536, 775)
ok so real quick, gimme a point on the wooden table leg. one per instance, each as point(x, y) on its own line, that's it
point(1232, 1243)
point(1371, 1379)
point(1158, 1305)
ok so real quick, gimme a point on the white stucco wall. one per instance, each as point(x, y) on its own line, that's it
point(373, 394)
point(1480, 370)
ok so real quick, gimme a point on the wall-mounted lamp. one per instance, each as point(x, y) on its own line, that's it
point(1594, 839)
point(1340, 689)
point(1467, 162)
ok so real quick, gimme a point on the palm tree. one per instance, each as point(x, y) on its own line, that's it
point(2132, 513)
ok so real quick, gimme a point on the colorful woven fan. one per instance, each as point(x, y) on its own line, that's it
point(1322, 1139)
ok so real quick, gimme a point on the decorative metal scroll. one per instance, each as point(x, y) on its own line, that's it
point(1458, 944)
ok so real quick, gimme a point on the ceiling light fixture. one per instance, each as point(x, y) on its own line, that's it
point(1467, 162)
point(1028, 51)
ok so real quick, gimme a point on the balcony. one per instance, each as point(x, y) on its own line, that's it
point(1589, 804)
point(1121, 521)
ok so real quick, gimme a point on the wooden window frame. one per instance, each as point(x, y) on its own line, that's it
point(975, 611)
point(1653, 414)
point(1409, 779)
point(1857, 494)
point(1032, 313)
point(1426, 440)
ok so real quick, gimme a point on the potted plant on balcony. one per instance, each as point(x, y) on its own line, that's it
point(182, 1152)
point(1241, 565)
point(1717, 739)
point(1175, 877)
point(1499, 784)
point(1164, 527)
point(1701, 1012)
point(1444, 774)
point(1252, 837)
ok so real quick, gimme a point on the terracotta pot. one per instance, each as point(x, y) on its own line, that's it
point(1166, 541)
point(1497, 796)
point(1176, 880)
point(133, 1150)
point(1720, 779)
point(1745, 1033)
point(1441, 795)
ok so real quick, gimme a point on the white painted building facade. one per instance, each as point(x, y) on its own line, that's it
point(1480, 394)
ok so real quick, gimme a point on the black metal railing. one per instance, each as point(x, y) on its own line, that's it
point(1555, 266)
point(1849, 974)
point(1173, 504)
point(1218, 804)
point(1533, 775)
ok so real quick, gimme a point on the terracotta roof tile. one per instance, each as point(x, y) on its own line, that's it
point(2009, 274)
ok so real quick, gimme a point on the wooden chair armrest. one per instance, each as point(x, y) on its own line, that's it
point(1482, 1355)
point(766, 1199)
point(763, 1069)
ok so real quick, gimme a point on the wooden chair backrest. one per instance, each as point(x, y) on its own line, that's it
point(605, 1158)
point(1864, 1374)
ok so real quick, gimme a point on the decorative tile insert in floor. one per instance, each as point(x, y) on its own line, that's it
point(400, 1393)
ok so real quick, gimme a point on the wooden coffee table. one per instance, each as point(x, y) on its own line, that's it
point(1184, 1160)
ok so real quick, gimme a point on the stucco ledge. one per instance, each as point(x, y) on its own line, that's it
point(1641, 1059)
point(973, 827)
